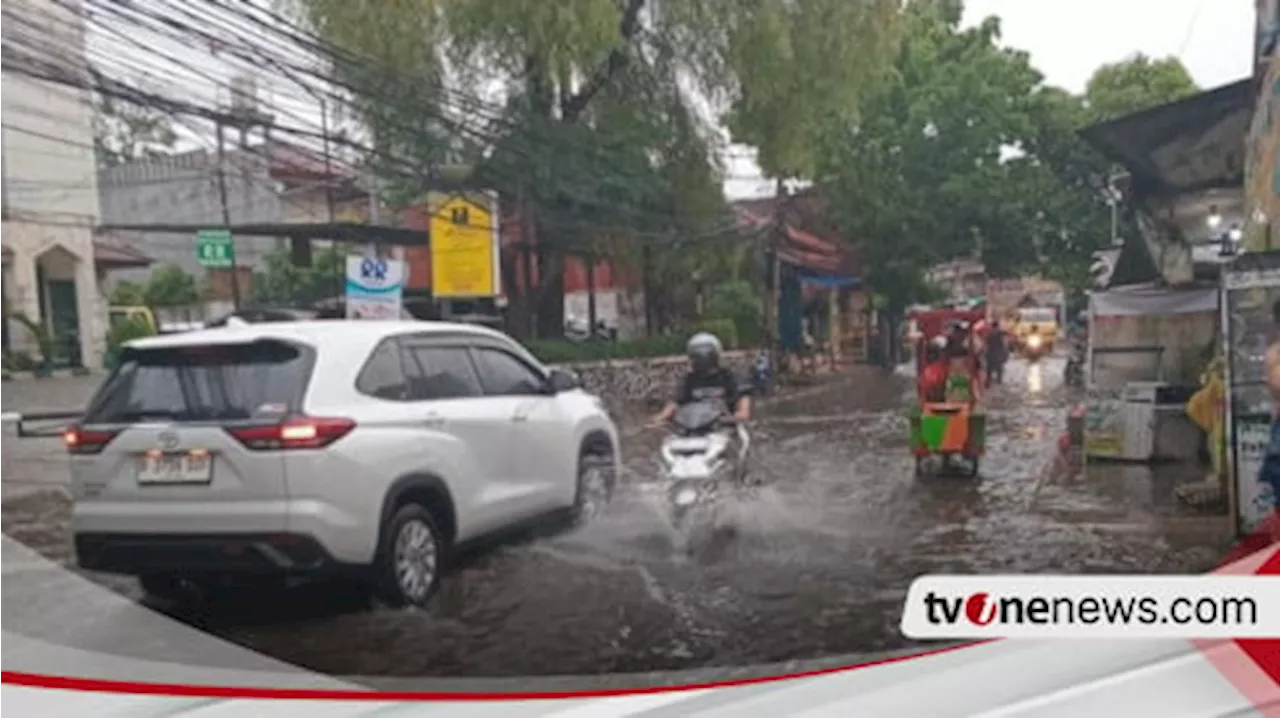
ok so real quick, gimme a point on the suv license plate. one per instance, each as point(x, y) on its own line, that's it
point(193, 468)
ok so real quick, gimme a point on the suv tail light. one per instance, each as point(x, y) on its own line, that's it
point(304, 432)
point(79, 440)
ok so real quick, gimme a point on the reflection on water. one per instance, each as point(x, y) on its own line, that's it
point(1035, 380)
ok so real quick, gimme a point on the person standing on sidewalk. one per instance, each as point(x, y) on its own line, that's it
point(997, 354)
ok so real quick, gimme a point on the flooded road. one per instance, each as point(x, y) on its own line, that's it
point(820, 563)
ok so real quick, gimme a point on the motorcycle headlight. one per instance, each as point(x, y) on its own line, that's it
point(686, 497)
point(1033, 341)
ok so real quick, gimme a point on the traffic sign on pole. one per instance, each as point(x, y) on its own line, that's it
point(214, 248)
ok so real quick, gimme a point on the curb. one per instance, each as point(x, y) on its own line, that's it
point(56, 374)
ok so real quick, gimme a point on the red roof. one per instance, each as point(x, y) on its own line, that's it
point(803, 248)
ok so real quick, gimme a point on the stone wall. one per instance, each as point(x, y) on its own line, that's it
point(645, 381)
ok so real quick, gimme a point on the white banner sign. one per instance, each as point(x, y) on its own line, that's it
point(375, 288)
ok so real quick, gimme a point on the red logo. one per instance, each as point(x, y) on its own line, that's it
point(980, 609)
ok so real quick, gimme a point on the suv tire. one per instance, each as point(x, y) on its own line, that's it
point(411, 559)
point(595, 483)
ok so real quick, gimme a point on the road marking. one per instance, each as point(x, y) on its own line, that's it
point(9, 417)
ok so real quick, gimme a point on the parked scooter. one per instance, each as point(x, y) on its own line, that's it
point(1073, 373)
point(762, 373)
point(703, 457)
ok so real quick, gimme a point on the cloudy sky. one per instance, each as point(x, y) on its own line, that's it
point(1069, 39)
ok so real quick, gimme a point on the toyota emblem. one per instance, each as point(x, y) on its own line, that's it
point(168, 440)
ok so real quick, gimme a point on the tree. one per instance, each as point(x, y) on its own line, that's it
point(600, 121)
point(1136, 83)
point(168, 286)
point(923, 175)
point(284, 283)
point(123, 131)
point(963, 151)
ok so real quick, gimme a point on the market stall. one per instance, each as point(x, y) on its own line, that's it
point(1147, 347)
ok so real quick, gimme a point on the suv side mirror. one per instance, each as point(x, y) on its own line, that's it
point(562, 380)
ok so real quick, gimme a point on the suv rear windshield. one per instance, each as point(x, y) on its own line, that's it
point(215, 382)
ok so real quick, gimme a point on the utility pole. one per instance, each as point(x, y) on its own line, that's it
point(339, 271)
point(774, 274)
point(226, 212)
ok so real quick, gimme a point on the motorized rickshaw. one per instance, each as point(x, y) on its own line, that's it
point(947, 432)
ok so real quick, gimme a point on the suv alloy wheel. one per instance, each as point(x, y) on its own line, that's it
point(412, 558)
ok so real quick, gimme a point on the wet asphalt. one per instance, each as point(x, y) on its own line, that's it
point(818, 563)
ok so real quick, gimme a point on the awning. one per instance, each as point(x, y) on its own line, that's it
point(1194, 144)
point(1150, 300)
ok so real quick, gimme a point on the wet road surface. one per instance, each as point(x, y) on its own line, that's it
point(821, 560)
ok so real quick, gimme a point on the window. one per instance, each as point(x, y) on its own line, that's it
point(383, 375)
point(504, 375)
point(218, 382)
point(439, 373)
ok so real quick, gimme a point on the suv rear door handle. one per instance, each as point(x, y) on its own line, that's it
point(433, 421)
point(520, 416)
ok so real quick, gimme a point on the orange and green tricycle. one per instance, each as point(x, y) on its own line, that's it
point(954, 433)
point(951, 432)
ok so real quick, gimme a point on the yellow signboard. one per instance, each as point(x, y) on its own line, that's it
point(464, 250)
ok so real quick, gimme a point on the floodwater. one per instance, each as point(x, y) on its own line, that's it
point(818, 564)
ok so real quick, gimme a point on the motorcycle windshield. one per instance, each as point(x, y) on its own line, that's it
point(697, 418)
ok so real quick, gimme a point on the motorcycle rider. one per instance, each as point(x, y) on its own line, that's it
point(707, 380)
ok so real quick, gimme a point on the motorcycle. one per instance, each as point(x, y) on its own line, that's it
point(1073, 372)
point(704, 453)
point(1034, 348)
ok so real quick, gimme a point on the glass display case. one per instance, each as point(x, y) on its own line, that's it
point(1251, 287)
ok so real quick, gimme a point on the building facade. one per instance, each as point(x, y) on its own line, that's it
point(182, 189)
point(1262, 171)
point(50, 194)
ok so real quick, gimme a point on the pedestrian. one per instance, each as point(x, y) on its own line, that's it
point(1270, 473)
point(997, 354)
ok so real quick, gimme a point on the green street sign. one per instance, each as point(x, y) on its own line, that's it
point(214, 248)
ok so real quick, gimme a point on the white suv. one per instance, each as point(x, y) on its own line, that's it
point(367, 447)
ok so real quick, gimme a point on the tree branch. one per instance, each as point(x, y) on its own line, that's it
point(573, 106)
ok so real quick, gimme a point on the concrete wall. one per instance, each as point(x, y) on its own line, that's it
point(50, 194)
point(645, 381)
point(183, 189)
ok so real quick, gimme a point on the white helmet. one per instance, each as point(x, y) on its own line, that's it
point(704, 351)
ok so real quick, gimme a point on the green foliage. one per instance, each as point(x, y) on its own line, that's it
point(168, 286)
point(284, 284)
point(18, 361)
point(126, 331)
point(171, 286)
point(129, 294)
point(926, 174)
point(724, 330)
point(557, 351)
point(741, 305)
point(1135, 84)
